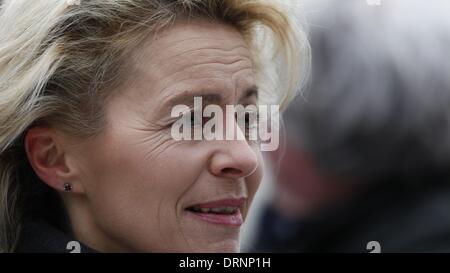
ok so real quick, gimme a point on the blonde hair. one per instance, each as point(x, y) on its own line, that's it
point(57, 61)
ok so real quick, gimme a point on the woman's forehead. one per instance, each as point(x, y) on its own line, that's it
point(201, 58)
point(193, 36)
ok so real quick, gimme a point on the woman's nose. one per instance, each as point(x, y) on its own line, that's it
point(234, 159)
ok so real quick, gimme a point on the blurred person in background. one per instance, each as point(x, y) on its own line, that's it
point(367, 159)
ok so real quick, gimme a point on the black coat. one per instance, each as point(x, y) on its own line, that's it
point(45, 226)
point(38, 236)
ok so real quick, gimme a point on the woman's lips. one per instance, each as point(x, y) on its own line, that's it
point(222, 212)
point(220, 219)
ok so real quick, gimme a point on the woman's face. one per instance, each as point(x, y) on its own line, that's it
point(139, 184)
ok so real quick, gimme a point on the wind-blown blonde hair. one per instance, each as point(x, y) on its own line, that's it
point(59, 61)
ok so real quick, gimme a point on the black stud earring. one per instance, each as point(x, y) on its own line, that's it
point(67, 187)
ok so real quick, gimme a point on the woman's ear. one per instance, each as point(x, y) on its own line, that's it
point(45, 152)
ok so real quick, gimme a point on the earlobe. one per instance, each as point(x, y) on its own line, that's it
point(47, 158)
point(67, 187)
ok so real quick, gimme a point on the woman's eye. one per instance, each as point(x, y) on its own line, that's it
point(250, 126)
point(195, 119)
point(251, 120)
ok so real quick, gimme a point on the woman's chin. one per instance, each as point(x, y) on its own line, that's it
point(227, 246)
point(203, 236)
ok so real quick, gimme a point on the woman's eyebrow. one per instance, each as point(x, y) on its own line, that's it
point(187, 97)
point(252, 91)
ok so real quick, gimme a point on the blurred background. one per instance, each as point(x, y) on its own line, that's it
point(366, 159)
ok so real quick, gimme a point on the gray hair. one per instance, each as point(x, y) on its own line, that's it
point(379, 103)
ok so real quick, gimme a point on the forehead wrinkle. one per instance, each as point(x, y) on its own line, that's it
point(199, 68)
point(182, 61)
point(174, 44)
point(237, 74)
point(177, 50)
point(212, 68)
point(209, 51)
point(169, 84)
point(200, 52)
